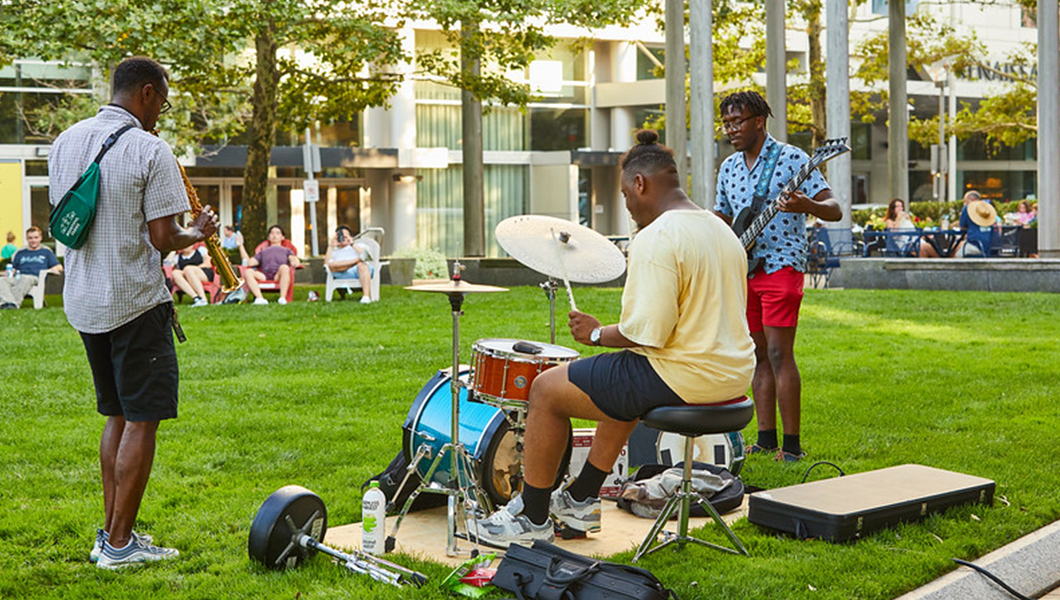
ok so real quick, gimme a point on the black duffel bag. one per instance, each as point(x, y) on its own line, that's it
point(548, 572)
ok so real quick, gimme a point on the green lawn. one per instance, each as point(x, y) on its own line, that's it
point(315, 394)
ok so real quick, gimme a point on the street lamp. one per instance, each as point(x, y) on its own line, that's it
point(938, 71)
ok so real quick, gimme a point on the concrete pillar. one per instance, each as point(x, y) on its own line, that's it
point(838, 77)
point(898, 120)
point(600, 71)
point(701, 72)
point(1048, 129)
point(402, 135)
point(624, 70)
point(676, 108)
point(776, 69)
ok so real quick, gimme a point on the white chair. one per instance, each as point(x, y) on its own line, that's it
point(370, 238)
point(37, 292)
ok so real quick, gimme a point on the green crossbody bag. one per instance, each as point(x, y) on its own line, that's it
point(71, 219)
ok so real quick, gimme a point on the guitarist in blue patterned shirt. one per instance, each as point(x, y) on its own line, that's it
point(760, 168)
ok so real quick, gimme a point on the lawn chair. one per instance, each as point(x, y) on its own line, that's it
point(272, 285)
point(827, 245)
point(37, 292)
point(372, 238)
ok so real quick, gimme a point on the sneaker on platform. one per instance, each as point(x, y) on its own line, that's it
point(103, 536)
point(509, 526)
point(569, 514)
point(135, 552)
point(260, 301)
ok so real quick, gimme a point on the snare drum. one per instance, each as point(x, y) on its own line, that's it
point(484, 432)
point(504, 369)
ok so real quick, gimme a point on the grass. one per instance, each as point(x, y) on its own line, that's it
point(315, 394)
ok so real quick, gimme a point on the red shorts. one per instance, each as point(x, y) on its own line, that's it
point(773, 300)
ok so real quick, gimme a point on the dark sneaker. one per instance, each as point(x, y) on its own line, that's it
point(569, 514)
point(135, 552)
point(789, 457)
point(103, 536)
point(509, 526)
point(756, 449)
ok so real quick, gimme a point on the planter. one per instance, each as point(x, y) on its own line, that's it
point(401, 270)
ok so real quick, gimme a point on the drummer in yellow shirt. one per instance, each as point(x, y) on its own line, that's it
point(685, 327)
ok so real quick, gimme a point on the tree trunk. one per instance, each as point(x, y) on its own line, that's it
point(818, 85)
point(262, 132)
point(471, 120)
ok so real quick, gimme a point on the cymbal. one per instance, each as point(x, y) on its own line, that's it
point(458, 286)
point(558, 248)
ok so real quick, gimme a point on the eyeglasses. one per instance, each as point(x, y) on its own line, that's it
point(735, 124)
point(165, 105)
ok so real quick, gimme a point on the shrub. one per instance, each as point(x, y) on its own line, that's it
point(430, 263)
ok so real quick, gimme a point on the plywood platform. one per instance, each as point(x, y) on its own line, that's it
point(423, 534)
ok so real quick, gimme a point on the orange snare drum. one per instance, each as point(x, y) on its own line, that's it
point(504, 369)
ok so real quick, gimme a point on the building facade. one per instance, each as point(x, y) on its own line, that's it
point(400, 168)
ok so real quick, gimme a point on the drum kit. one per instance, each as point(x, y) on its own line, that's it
point(470, 448)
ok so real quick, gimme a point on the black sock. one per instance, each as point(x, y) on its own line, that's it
point(535, 503)
point(587, 483)
point(767, 438)
point(792, 445)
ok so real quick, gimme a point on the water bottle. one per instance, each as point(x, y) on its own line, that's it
point(373, 520)
point(10, 271)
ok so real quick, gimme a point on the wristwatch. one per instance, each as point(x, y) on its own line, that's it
point(594, 335)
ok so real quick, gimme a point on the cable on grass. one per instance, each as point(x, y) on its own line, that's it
point(993, 578)
point(821, 462)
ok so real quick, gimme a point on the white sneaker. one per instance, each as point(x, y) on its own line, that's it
point(199, 301)
point(102, 536)
point(366, 300)
point(135, 552)
point(282, 301)
point(260, 301)
point(509, 526)
point(574, 517)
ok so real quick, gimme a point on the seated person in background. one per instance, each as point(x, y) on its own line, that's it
point(10, 248)
point(192, 271)
point(273, 262)
point(979, 219)
point(1024, 215)
point(348, 260)
point(896, 217)
point(230, 238)
point(28, 263)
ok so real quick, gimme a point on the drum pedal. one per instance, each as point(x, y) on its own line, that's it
point(568, 533)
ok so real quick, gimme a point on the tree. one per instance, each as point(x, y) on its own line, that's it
point(489, 39)
point(311, 60)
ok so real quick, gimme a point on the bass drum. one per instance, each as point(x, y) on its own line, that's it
point(720, 449)
point(484, 432)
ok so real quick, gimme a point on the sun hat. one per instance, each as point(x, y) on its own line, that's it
point(982, 213)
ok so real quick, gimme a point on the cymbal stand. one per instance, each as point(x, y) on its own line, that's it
point(550, 288)
point(462, 488)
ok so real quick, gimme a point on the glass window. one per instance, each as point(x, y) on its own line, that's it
point(646, 68)
point(39, 211)
point(861, 141)
point(552, 129)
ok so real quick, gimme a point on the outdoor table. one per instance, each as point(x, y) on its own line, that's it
point(893, 242)
point(944, 241)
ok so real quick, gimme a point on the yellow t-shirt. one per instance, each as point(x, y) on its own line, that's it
point(685, 302)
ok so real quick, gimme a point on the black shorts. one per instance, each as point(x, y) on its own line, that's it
point(134, 367)
point(623, 385)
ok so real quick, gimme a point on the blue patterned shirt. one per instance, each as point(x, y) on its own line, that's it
point(783, 242)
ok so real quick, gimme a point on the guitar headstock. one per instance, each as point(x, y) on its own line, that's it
point(829, 150)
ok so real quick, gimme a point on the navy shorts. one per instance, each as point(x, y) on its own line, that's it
point(621, 384)
point(134, 367)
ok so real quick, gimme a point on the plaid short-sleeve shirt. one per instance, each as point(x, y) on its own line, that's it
point(783, 242)
point(116, 275)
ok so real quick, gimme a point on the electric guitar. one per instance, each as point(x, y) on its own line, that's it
point(750, 223)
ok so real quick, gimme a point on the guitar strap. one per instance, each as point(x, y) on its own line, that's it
point(762, 189)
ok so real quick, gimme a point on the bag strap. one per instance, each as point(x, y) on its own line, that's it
point(110, 142)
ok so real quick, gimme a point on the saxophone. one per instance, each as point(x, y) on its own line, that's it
point(230, 282)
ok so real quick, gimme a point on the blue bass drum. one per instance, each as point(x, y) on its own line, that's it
point(484, 432)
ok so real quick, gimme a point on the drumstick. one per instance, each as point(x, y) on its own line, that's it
point(562, 238)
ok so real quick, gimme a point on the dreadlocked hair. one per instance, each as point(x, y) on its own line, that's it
point(748, 99)
point(648, 156)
